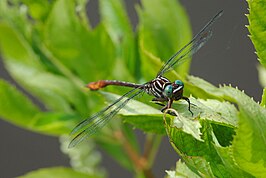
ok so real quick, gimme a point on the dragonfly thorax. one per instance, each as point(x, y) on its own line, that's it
point(162, 88)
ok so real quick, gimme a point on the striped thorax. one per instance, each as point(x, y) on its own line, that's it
point(156, 86)
point(164, 89)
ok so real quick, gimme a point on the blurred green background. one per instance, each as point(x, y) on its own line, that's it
point(227, 58)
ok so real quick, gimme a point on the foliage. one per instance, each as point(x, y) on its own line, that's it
point(51, 51)
point(56, 172)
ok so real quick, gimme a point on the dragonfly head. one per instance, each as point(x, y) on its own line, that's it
point(174, 90)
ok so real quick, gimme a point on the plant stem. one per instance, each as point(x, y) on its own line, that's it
point(141, 163)
point(151, 148)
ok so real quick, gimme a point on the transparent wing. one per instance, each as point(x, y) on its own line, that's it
point(91, 125)
point(191, 48)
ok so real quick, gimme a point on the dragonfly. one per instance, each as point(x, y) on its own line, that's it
point(160, 87)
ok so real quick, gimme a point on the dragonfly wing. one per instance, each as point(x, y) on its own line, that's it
point(91, 125)
point(190, 48)
point(186, 54)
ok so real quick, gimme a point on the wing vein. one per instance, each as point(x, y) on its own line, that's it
point(190, 48)
point(91, 125)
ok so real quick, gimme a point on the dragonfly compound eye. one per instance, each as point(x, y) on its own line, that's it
point(168, 90)
point(179, 83)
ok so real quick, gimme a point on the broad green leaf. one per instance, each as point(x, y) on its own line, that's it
point(249, 144)
point(181, 171)
point(202, 89)
point(184, 143)
point(256, 27)
point(226, 154)
point(221, 115)
point(187, 146)
point(89, 54)
point(164, 28)
point(115, 19)
point(188, 125)
point(16, 107)
point(147, 123)
point(53, 123)
point(227, 111)
point(11, 40)
point(57, 172)
point(19, 110)
point(56, 91)
point(84, 157)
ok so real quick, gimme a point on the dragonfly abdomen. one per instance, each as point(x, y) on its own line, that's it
point(103, 83)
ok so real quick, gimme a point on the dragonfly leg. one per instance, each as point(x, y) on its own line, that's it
point(187, 99)
point(161, 104)
point(159, 101)
point(167, 106)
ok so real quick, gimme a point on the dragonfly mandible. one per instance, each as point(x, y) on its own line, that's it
point(161, 88)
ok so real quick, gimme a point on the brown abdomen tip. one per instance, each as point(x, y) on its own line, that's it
point(96, 85)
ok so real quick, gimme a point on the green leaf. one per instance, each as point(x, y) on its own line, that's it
point(11, 40)
point(202, 89)
point(249, 147)
point(221, 115)
point(19, 110)
point(181, 171)
point(226, 154)
point(56, 91)
point(147, 123)
point(56, 172)
point(249, 144)
point(16, 107)
point(164, 28)
point(188, 125)
point(117, 24)
point(256, 27)
point(54, 123)
point(187, 146)
point(222, 112)
point(83, 51)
